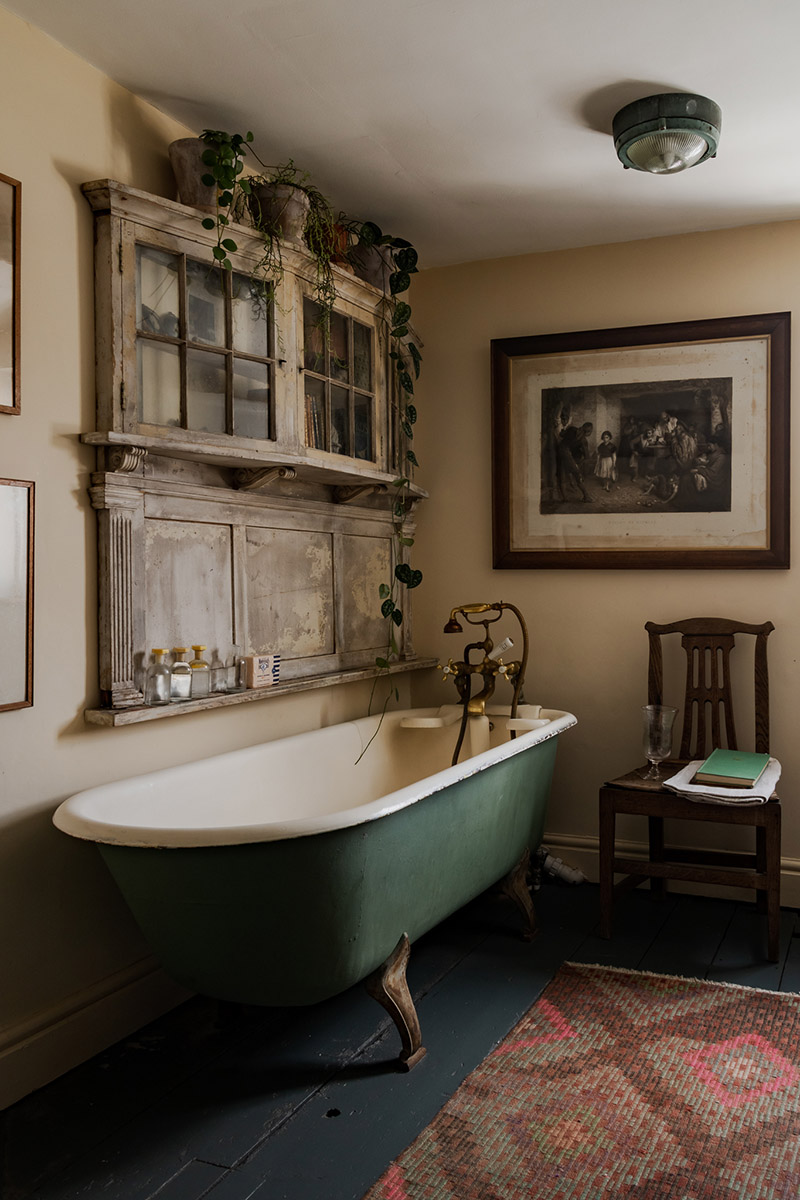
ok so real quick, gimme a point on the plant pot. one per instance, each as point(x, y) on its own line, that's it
point(280, 206)
point(373, 264)
point(185, 158)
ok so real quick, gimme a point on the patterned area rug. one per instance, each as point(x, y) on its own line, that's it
point(626, 1085)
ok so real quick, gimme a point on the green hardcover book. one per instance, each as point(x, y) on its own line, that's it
point(734, 768)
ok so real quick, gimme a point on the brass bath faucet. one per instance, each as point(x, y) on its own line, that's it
point(491, 664)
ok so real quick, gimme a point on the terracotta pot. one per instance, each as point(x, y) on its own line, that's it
point(280, 206)
point(373, 264)
point(185, 158)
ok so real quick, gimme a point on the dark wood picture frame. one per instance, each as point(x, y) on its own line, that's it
point(16, 593)
point(10, 251)
point(723, 386)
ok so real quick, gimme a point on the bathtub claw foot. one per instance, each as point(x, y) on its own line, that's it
point(388, 986)
point(515, 886)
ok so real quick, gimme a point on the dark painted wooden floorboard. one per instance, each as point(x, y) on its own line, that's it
point(233, 1102)
point(85, 1106)
point(379, 1112)
point(638, 921)
point(790, 979)
point(741, 956)
point(689, 938)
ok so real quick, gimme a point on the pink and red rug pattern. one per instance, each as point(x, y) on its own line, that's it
point(624, 1085)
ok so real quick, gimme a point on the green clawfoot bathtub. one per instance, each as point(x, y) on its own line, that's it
point(284, 873)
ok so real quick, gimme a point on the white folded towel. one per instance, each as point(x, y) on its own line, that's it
point(705, 794)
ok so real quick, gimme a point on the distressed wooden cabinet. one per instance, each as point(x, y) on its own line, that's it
point(245, 466)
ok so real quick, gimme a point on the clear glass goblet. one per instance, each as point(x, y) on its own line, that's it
point(657, 737)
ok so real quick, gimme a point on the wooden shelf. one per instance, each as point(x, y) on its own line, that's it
point(135, 716)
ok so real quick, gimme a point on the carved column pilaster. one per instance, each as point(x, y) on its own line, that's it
point(120, 518)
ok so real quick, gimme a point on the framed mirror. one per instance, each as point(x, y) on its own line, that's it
point(16, 594)
point(10, 239)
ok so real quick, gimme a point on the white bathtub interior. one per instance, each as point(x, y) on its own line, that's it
point(295, 785)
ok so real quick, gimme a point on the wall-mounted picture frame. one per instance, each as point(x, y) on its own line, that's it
point(10, 248)
point(16, 593)
point(651, 446)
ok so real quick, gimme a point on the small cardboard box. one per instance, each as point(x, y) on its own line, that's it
point(262, 670)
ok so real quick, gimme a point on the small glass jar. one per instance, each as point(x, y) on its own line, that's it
point(181, 686)
point(158, 680)
point(201, 674)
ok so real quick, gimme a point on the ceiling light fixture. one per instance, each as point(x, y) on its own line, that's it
point(667, 133)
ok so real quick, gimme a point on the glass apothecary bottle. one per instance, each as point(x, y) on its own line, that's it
point(201, 674)
point(181, 686)
point(158, 680)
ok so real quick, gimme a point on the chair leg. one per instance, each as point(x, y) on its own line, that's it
point(761, 865)
point(773, 868)
point(607, 834)
point(655, 830)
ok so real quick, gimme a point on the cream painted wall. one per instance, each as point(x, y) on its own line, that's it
point(76, 973)
point(589, 648)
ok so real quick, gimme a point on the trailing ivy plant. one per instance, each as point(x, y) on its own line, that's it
point(224, 157)
point(319, 232)
point(406, 360)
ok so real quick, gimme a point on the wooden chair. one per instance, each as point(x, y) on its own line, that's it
point(707, 716)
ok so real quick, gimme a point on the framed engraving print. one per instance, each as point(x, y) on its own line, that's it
point(650, 446)
point(10, 225)
point(16, 594)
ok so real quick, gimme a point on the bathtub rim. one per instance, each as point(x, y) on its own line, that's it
point(71, 817)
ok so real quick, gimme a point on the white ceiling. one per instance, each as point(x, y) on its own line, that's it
point(475, 128)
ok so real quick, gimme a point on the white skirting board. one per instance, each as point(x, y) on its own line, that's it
point(583, 852)
point(38, 1050)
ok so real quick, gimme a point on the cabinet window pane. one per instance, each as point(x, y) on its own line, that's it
point(362, 356)
point(316, 425)
point(159, 374)
point(250, 399)
point(205, 391)
point(340, 357)
point(362, 427)
point(340, 421)
point(250, 309)
point(339, 383)
point(313, 337)
point(157, 291)
point(205, 307)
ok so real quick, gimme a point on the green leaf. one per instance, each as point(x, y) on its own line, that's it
point(402, 312)
point(400, 281)
point(383, 663)
point(416, 356)
point(384, 590)
point(406, 259)
point(401, 482)
point(411, 578)
point(397, 616)
point(397, 694)
point(369, 234)
point(406, 428)
point(208, 222)
point(218, 252)
point(400, 332)
point(406, 541)
point(228, 243)
point(411, 414)
point(405, 381)
point(208, 180)
point(387, 608)
point(411, 457)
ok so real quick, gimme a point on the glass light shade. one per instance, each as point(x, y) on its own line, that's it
point(667, 133)
point(667, 152)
